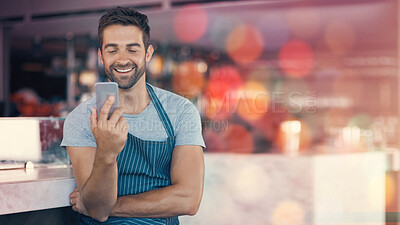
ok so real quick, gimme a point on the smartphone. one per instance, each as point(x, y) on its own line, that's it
point(103, 91)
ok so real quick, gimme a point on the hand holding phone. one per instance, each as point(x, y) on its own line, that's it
point(110, 133)
point(103, 91)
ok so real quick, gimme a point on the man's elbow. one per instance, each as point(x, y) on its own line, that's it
point(192, 206)
point(98, 216)
point(99, 211)
point(191, 211)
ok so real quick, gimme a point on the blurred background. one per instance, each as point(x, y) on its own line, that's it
point(247, 65)
point(293, 78)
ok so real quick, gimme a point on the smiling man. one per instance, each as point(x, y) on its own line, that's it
point(143, 165)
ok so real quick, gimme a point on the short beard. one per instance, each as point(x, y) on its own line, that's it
point(135, 78)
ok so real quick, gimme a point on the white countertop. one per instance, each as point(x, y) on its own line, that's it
point(35, 189)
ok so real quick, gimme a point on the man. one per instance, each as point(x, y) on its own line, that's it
point(143, 165)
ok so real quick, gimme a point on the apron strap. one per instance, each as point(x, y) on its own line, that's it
point(161, 112)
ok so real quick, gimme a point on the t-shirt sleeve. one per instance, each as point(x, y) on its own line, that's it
point(77, 130)
point(188, 128)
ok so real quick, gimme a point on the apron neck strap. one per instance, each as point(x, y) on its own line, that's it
point(161, 112)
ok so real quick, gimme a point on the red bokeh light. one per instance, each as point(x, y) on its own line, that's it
point(190, 23)
point(219, 94)
point(296, 58)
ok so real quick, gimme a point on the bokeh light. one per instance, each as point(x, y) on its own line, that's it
point(219, 93)
point(390, 190)
point(288, 212)
point(296, 58)
point(252, 100)
point(155, 66)
point(304, 23)
point(88, 78)
point(244, 44)
point(188, 80)
point(305, 139)
point(339, 36)
point(275, 31)
point(190, 23)
point(238, 139)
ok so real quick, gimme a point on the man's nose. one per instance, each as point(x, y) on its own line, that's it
point(123, 59)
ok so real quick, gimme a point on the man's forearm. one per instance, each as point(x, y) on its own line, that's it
point(99, 194)
point(164, 202)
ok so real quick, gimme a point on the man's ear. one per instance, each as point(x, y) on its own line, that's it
point(149, 53)
point(100, 55)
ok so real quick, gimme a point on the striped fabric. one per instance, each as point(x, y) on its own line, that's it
point(144, 166)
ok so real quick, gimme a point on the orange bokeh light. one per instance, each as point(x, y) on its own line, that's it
point(390, 190)
point(237, 139)
point(156, 66)
point(305, 138)
point(187, 80)
point(296, 58)
point(252, 101)
point(190, 23)
point(244, 44)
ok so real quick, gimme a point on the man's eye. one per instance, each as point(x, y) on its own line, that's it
point(112, 52)
point(132, 51)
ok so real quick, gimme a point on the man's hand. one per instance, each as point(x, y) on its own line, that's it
point(76, 202)
point(110, 134)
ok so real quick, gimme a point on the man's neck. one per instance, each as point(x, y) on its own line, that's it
point(136, 99)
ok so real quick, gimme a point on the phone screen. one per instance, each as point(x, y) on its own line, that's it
point(103, 91)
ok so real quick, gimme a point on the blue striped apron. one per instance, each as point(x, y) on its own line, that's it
point(144, 166)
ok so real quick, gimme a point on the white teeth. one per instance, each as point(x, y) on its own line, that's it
point(124, 71)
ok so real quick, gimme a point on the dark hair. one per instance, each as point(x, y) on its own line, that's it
point(124, 16)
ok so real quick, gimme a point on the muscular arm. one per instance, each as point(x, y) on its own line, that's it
point(96, 180)
point(182, 197)
point(95, 170)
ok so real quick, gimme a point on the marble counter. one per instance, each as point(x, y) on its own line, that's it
point(245, 189)
point(281, 190)
point(35, 189)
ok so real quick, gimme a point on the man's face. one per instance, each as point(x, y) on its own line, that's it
point(123, 54)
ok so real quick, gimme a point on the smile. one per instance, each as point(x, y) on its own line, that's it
point(124, 71)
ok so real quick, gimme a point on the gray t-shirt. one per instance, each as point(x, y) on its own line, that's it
point(147, 125)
